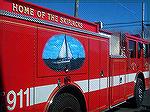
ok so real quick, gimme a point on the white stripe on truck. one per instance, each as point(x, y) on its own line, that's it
point(41, 93)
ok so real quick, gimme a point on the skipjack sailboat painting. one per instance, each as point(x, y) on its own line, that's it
point(63, 52)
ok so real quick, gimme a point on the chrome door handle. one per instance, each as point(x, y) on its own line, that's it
point(102, 73)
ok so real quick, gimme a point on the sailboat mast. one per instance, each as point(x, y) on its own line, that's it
point(66, 46)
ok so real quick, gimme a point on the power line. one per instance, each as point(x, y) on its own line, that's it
point(122, 26)
point(122, 23)
point(133, 22)
point(133, 13)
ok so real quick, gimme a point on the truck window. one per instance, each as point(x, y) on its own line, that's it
point(149, 50)
point(140, 47)
point(132, 49)
point(114, 45)
point(145, 47)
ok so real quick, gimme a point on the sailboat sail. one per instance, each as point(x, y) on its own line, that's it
point(62, 53)
point(65, 52)
point(69, 52)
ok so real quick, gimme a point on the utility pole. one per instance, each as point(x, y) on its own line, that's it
point(76, 8)
point(143, 18)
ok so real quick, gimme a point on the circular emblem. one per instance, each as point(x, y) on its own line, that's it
point(63, 52)
point(146, 65)
point(133, 66)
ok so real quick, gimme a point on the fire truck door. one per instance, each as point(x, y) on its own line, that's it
point(132, 67)
point(140, 56)
point(94, 70)
point(98, 74)
point(145, 57)
point(117, 81)
point(132, 63)
point(145, 64)
point(104, 74)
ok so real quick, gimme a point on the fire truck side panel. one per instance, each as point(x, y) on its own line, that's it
point(98, 84)
point(47, 34)
point(131, 66)
point(35, 80)
point(146, 64)
point(46, 76)
point(139, 55)
point(137, 61)
point(18, 62)
point(2, 101)
point(118, 79)
point(104, 74)
point(94, 70)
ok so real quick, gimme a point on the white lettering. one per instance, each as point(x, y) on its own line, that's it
point(26, 10)
point(14, 7)
point(21, 97)
point(61, 20)
point(21, 9)
point(11, 99)
point(27, 96)
point(49, 16)
point(43, 14)
point(52, 17)
point(31, 12)
point(39, 13)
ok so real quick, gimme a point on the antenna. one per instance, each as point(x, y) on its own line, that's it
point(76, 8)
point(143, 18)
point(66, 46)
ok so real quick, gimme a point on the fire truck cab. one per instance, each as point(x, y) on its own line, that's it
point(128, 62)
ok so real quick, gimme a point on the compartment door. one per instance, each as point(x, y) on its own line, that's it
point(104, 74)
point(98, 74)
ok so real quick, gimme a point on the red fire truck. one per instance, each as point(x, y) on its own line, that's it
point(52, 62)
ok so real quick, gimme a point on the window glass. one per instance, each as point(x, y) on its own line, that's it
point(132, 49)
point(114, 45)
point(145, 47)
point(149, 50)
point(140, 47)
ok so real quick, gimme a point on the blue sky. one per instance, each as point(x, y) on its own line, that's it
point(54, 44)
point(107, 11)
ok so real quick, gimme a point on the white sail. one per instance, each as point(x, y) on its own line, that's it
point(65, 55)
point(65, 52)
point(62, 53)
point(69, 52)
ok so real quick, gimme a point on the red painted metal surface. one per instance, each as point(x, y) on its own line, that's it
point(30, 85)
